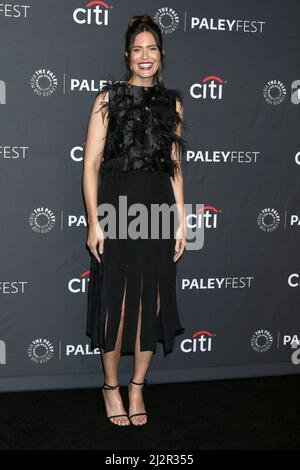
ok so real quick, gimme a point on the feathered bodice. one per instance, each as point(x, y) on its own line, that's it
point(141, 129)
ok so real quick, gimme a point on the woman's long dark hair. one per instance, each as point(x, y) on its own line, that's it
point(137, 25)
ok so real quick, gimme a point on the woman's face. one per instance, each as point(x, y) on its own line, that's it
point(145, 56)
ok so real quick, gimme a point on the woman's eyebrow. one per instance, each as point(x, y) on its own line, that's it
point(151, 45)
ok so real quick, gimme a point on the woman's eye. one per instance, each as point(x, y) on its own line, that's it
point(152, 49)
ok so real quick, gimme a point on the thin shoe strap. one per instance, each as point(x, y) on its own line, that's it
point(136, 383)
point(107, 386)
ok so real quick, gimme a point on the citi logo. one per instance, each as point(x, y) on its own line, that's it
point(76, 153)
point(206, 216)
point(94, 12)
point(201, 341)
point(294, 279)
point(297, 158)
point(79, 284)
point(211, 87)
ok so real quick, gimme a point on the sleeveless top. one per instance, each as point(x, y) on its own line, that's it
point(141, 129)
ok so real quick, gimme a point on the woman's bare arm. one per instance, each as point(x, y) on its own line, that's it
point(177, 182)
point(94, 147)
point(178, 188)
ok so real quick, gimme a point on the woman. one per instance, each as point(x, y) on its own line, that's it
point(133, 150)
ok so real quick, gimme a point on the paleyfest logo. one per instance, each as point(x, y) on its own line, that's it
point(168, 20)
point(274, 92)
point(261, 341)
point(229, 25)
point(41, 350)
point(43, 82)
point(42, 220)
point(268, 219)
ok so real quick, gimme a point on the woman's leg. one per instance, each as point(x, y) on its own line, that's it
point(111, 361)
point(142, 361)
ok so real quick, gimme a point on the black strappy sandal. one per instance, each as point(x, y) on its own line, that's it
point(138, 414)
point(112, 387)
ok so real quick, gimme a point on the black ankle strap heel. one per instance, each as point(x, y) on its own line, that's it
point(111, 387)
point(137, 414)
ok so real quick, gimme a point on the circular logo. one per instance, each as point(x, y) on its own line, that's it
point(42, 220)
point(274, 92)
point(168, 19)
point(43, 82)
point(268, 220)
point(261, 341)
point(40, 351)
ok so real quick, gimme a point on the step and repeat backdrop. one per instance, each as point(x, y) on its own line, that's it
point(238, 67)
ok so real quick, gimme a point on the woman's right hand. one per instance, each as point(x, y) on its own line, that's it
point(95, 236)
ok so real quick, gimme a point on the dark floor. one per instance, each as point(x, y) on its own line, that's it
point(254, 413)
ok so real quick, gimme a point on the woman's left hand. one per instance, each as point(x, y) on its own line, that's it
point(180, 241)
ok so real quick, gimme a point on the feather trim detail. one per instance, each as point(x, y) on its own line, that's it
point(142, 129)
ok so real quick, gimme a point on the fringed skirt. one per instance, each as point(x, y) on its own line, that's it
point(136, 279)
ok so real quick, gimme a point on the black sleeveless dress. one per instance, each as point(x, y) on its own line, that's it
point(137, 163)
